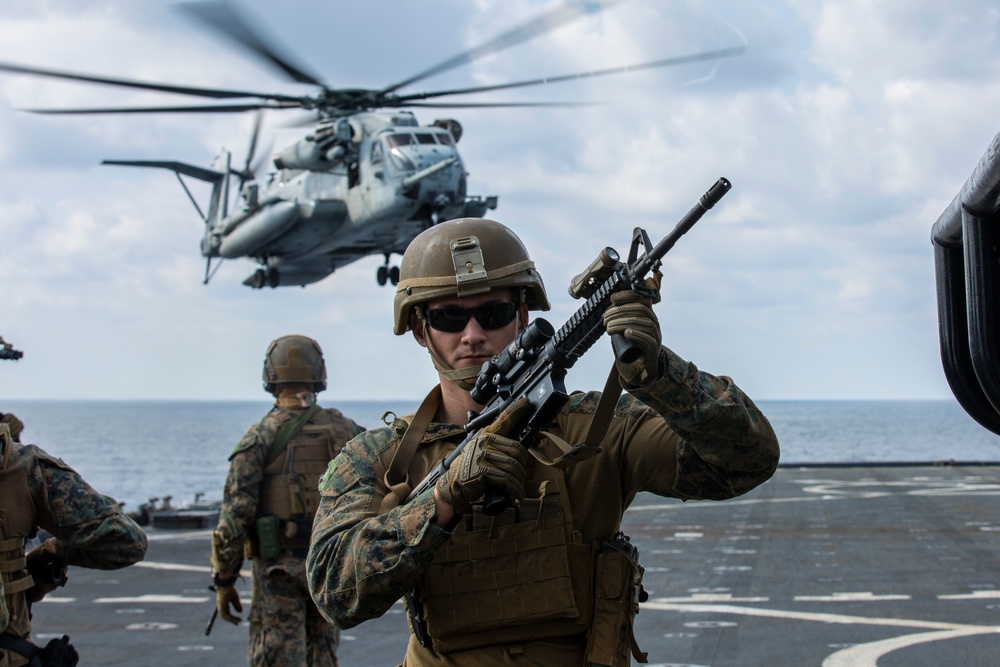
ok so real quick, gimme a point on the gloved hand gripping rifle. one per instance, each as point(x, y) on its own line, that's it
point(535, 363)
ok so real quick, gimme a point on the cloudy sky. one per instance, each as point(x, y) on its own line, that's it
point(846, 129)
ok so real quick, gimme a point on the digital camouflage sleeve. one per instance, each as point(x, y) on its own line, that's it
point(89, 527)
point(687, 435)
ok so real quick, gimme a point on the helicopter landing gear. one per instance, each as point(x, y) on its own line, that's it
point(388, 274)
point(265, 277)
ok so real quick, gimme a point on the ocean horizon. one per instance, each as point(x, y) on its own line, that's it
point(143, 449)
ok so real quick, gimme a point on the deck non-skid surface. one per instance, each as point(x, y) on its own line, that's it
point(825, 567)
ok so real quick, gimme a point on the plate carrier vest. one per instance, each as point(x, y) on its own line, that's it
point(289, 490)
point(524, 574)
point(18, 520)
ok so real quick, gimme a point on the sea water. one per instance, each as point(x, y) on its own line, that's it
point(137, 450)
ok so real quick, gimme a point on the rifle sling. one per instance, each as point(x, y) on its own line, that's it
point(287, 432)
point(22, 647)
point(605, 409)
point(397, 477)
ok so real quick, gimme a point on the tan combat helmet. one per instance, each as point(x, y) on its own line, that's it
point(463, 257)
point(294, 359)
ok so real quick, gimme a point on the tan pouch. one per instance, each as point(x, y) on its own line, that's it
point(617, 586)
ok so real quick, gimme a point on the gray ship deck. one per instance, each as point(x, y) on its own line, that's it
point(823, 566)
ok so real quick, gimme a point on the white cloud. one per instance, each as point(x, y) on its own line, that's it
point(845, 129)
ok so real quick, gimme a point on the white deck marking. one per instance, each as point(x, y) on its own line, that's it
point(843, 619)
point(867, 655)
point(152, 599)
point(176, 567)
point(172, 535)
point(859, 655)
point(974, 595)
point(849, 597)
point(709, 597)
point(831, 489)
point(181, 567)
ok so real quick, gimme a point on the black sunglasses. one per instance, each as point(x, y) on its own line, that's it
point(452, 319)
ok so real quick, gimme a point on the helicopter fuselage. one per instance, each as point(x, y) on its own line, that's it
point(357, 186)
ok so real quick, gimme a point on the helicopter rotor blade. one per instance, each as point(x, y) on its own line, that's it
point(219, 108)
point(407, 100)
point(534, 28)
point(246, 174)
point(218, 93)
point(307, 119)
point(494, 105)
point(262, 159)
point(225, 18)
point(253, 140)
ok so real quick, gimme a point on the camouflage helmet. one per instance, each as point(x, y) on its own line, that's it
point(294, 359)
point(463, 257)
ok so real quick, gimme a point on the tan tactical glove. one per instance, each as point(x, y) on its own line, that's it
point(491, 460)
point(226, 596)
point(632, 316)
point(47, 568)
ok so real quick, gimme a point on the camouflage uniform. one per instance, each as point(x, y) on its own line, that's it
point(687, 435)
point(285, 627)
point(89, 528)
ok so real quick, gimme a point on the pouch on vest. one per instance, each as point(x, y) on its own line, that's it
point(507, 579)
point(617, 592)
point(266, 528)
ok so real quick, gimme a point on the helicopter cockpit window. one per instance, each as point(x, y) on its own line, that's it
point(399, 140)
point(425, 138)
point(444, 138)
point(399, 161)
point(378, 153)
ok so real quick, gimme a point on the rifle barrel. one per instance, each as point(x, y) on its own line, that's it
point(707, 201)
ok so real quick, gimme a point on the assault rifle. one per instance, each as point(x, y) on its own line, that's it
point(535, 363)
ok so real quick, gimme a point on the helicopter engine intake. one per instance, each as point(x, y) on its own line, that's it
point(450, 124)
point(306, 154)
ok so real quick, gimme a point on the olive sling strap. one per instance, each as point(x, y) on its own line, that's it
point(287, 432)
point(57, 653)
point(397, 477)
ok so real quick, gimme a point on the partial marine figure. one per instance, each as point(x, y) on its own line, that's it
point(88, 529)
point(551, 580)
point(14, 425)
point(268, 506)
point(7, 351)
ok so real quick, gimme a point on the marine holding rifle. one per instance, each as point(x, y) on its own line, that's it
point(550, 580)
point(267, 512)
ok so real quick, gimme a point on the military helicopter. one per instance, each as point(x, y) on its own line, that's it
point(365, 181)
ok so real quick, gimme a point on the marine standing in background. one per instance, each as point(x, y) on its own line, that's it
point(88, 530)
point(270, 499)
point(550, 581)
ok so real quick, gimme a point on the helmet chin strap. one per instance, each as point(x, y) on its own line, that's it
point(458, 376)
